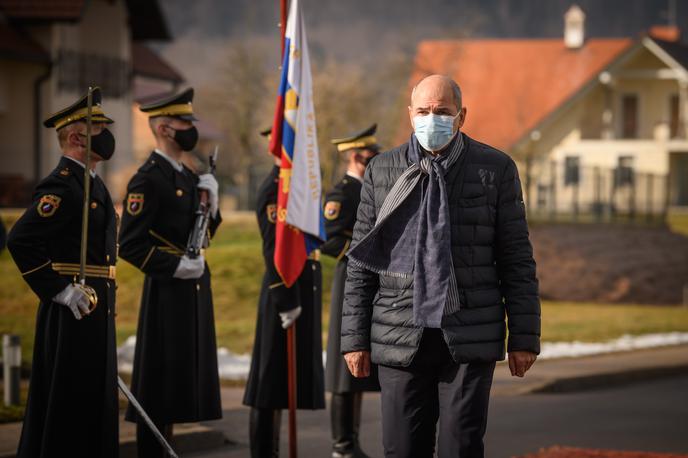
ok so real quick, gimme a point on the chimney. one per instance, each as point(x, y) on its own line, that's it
point(574, 27)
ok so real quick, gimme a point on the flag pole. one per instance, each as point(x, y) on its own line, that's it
point(291, 330)
point(291, 386)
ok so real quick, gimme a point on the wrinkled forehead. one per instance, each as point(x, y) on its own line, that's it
point(432, 93)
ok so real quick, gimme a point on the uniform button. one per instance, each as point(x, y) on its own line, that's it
point(107, 258)
point(198, 287)
point(108, 285)
point(94, 205)
point(315, 288)
point(313, 267)
point(179, 192)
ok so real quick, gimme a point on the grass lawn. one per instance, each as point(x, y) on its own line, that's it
point(237, 267)
point(679, 223)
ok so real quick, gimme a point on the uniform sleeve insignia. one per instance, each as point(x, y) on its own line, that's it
point(271, 212)
point(48, 205)
point(134, 203)
point(64, 172)
point(332, 210)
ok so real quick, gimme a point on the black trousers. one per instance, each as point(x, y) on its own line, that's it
point(433, 387)
point(146, 443)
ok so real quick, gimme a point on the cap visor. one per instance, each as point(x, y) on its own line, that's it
point(188, 117)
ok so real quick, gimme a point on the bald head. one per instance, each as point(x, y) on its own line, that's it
point(437, 87)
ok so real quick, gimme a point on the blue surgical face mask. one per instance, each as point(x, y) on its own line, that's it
point(434, 132)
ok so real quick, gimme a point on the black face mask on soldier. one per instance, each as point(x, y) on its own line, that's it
point(187, 138)
point(103, 144)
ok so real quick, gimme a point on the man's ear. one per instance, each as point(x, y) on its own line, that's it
point(410, 111)
point(160, 129)
point(462, 117)
point(74, 140)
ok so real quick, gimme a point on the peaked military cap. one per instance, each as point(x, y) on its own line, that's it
point(363, 139)
point(176, 106)
point(78, 111)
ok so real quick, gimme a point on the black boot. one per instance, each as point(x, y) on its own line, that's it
point(345, 415)
point(357, 403)
point(264, 432)
point(342, 420)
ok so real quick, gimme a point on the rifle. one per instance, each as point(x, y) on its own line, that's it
point(198, 238)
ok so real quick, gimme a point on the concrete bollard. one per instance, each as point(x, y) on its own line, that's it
point(11, 352)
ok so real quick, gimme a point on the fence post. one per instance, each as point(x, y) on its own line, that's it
point(612, 196)
point(597, 194)
point(575, 191)
point(650, 196)
point(11, 352)
point(667, 198)
point(631, 197)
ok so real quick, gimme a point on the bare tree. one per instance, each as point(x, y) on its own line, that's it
point(240, 103)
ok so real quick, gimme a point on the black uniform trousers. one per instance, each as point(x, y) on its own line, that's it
point(435, 387)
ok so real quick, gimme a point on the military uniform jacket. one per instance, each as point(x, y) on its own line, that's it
point(74, 374)
point(341, 205)
point(267, 381)
point(175, 376)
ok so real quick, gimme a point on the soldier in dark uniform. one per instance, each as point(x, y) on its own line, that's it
point(278, 307)
point(72, 408)
point(175, 376)
point(340, 216)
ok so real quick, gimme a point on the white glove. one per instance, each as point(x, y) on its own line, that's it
point(74, 298)
point(208, 182)
point(188, 268)
point(289, 316)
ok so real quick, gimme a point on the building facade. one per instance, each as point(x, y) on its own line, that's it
point(50, 53)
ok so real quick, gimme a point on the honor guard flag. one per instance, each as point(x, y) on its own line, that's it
point(300, 227)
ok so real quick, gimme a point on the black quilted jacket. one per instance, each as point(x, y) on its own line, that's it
point(493, 264)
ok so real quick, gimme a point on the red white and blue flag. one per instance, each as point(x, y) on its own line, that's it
point(300, 227)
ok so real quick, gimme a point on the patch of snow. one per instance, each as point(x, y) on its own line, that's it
point(551, 350)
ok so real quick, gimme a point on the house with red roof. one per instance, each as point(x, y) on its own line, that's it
point(50, 52)
point(594, 123)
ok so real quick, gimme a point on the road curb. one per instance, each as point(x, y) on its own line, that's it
point(606, 380)
point(194, 439)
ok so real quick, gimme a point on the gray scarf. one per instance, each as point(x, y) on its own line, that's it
point(416, 240)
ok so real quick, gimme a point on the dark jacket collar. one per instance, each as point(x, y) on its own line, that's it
point(98, 190)
point(179, 179)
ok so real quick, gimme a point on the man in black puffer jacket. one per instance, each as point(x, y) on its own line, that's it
point(433, 274)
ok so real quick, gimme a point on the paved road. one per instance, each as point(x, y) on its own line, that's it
point(649, 416)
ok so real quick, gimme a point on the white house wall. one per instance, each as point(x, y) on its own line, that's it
point(578, 131)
